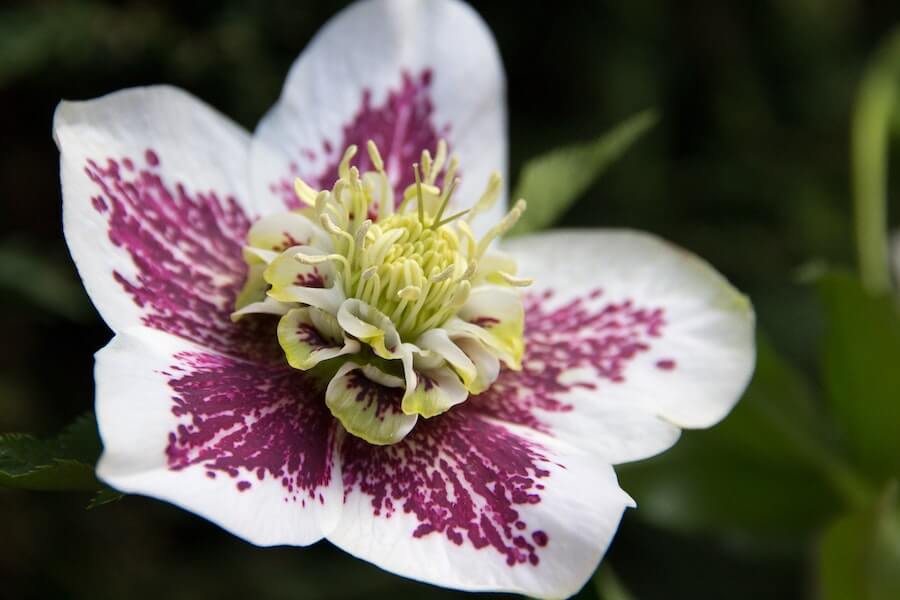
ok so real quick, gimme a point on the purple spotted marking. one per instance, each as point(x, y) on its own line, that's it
point(387, 400)
point(250, 421)
point(666, 364)
point(186, 248)
point(311, 336)
point(401, 127)
point(312, 279)
point(460, 477)
point(581, 333)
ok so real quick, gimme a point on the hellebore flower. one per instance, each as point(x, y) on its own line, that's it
point(312, 340)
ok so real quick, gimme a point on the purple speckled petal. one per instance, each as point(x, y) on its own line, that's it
point(627, 339)
point(249, 447)
point(467, 502)
point(155, 214)
point(401, 73)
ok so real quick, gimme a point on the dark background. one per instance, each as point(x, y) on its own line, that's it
point(748, 168)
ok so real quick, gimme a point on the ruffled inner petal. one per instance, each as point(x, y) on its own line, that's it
point(367, 403)
point(309, 336)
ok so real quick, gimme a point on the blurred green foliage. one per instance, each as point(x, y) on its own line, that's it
point(553, 181)
point(860, 366)
point(749, 166)
point(860, 553)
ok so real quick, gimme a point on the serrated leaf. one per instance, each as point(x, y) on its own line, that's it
point(757, 475)
point(554, 181)
point(80, 440)
point(861, 370)
point(63, 463)
point(859, 556)
point(105, 495)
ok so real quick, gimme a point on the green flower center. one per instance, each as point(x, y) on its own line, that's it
point(400, 308)
point(412, 272)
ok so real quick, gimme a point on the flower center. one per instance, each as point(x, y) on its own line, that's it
point(395, 303)
point(414, 265)
point(412, 272)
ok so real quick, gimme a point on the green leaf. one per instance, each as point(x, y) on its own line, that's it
point(762, 475)
point(859, 555)
point(861, 370)
point(106, 495)
point(554, 181)
point(64, 463)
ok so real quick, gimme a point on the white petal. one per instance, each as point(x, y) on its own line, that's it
point(366, 76)
point(155, 209)
point(627, 339)
point(247, 446)
point(473, 504)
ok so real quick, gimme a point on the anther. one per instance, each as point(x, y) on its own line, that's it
point(502, 227)
point(317, 259)
point(410, 292)
point(439, 158)
point(375, 156)
point(344, 166)
point(420, 202)
point(362, 231)
point(445, 274)
point(304, 192)
point(489, 197)
point(515, 281)
point(367, 274)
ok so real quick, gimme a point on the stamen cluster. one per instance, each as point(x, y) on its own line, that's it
point(390, 291)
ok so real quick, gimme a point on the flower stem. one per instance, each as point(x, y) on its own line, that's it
point(871, 123)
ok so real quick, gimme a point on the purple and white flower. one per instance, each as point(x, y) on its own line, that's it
point(266, 375)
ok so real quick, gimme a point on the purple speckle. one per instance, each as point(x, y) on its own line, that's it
point(238, 417)
point(666, 364)
point(401, 127)
point(603, 337)
point(186, 250)
point(461, 476)
point(243, 486)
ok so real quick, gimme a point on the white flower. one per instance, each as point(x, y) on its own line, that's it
point(503, 480)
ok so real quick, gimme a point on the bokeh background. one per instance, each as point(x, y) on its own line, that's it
point(748, 167)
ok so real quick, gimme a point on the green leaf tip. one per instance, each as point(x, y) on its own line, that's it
point(65, 462)
point(552, 182)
